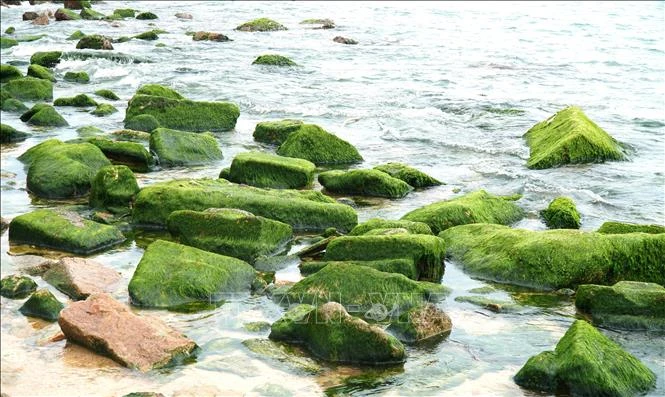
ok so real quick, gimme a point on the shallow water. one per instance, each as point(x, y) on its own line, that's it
point(447, 87)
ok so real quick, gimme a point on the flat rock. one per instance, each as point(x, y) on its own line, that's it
point(80, 278)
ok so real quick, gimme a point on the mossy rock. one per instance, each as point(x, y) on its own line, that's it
point(43, 115)
point(275, 132)
point(146, 16)
point(42, 304)
point(283, 353)
point(177, 148)
point(48, 59)
point(29, 89)
point(410, 175)
point(570, 137)
point(257, 326)
point(420, 324)
point(329, 332)
point(149, 35)
point(95, 42)
point(6, 42)
point(91, 15)
point(131, 135)
point(626, 304)
point(403, 266)
point(586, 363)
point(269, 170)
point(10, 30)
point(561, 214)
point(64, 14)
point(9, 134)
point(142, 122)
point(89, 131)
point(260, 25)
point(621, 228)
point(273, 60)
point(303, 210)
point(77, 77)
point(80, 100)
point(13, 105)
point(9, 72)
point(555, 259)
point(376, 223)
point(104, 109)
point(59, 170)
point(159, 90)
point(40, 72)
point(230, 232)
point(475, 207)
point(77, 35)
point(495, 305)
point(426, 251)
point(210, 36)
point(113, 188)
point(63, 231)
point(107, 94)
point(124, 12)
point(313, 143)
point(30, 38)
point(364, 183)
point(17, 287)
point(171, 275)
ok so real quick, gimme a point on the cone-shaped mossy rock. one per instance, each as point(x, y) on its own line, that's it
point(113, 188)
point(260, 25)
point(621, 228)
point(275, 132)
point(29, 89)
point(410, 175)
point(42, 304)
point(17, 287)
point(107, 94)
point(40, 72)
point(270, 170)
point(364, 183)
point(313, 143)
point(561, 214)
point(273, 60)
point(9, 72)
point(10, 134)
point(43, 115)
point(376, 223)
point(177, 148)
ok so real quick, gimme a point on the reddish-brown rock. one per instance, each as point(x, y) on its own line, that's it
point(80, 278)
point(41, 20)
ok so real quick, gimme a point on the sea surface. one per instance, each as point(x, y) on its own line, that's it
point(449, 88)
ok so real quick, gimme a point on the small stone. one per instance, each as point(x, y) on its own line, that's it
point(344, 40)
point(42, 304)
point(17, 287)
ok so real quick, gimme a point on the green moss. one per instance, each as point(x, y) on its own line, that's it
point(142, 122)
point(146, 15)
point(569, 136)
point(124, 12)
point(561, 214)
point(184, 114)
point(9, 72)
point(80, 100)
point(426, 251)
point(63, 14)
point(273, 60)
point(283, 353)
point(131, 135)
point(95, 42)
point(313, 143)
point(113, 188)
point(261, 25)
point(408, 174)
point(10, 30)
point(403, 266)
point(90, 14)
point(171, 274)
point(17, 287)
point(421, 323)
point(13, 105)
point(29, 89)
point(495, 305)
point(29, 38)
point(77, 77)
point(44, 115)
point(77, 35)
point(63, 231)
point(586, 363)
point(329, 332)
point(555, 259)
point(47, 59)
point(620, 228)
point(159, 90)
point(376, 223)
point(132, 154)
point(108, 94)
point(6, 42)
point(303, 210)
point(177, 148)
point(10, 134)
point(275, 132)
point(210, 36)
point(256, 326)
point(107, 55)
point(475, 207)
point(42, 304)
point(231, 232)
point(269, 170)
point(149, 35)
point(104, 109)
point(88, 131)
point(40, 72)
point(364, 182)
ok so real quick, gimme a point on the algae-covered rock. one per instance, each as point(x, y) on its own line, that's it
point(410, 175)
point(95, 42)
point(329, 332)
point(80, 100)
point(146, 15)
point(555, 259)
point(376, 223)
point(77, 35)
point(107, 94)
point(13, 105)
point(48, 59)
point(10, 134)
point(42, 304)
point(626, 304)
point(475, 207)
point(364, 182)
point(171, 275)
point(275, 132)
point(177, 148)
point(621, 228)
point(43, 115)
point(561, 214)
point(77, 77)
point(10, 30)
point(570, 137)
point(29, 89)
point(142, 122)
point(209, 36)
point(131, 135)
point(403, 266)
point(149, 36)
point(63, 14)
point(159, 90)
point(40, 72)
point(283, 353)
point(113, 188)
point(6, 42)
point(421, 323)
point(124, 12)
point(273, 60)
point(313, 143)
point(260, 25)
point(269, 170)
point(303, 210)
point(586, 363)
point(131, 154)
point(104, 109)
point(9, 72)
point(91, 15)
point(17, 287)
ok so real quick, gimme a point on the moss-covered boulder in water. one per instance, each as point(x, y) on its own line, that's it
point(17, 287)
point(364, 182)
point(149, 35)
point(421, 323)
point(410, 175)
point(284, 353)
point(47, 59)
point(10, 134)
point(40, 72)
point(475, 207)
point(303, 210)
point(261, 25)
point(273, 60)
point(621, 228)
point(561, 214)
point(124, 12)
point(13, 105)
point(6, 42)
point(29, 89)
point(570, 137)
point(428, 252)
point(113, 188)
point(376, 223)
point(77, 77)
point(171, 275)
point(329, 332)
point(9, 72)
point(91, 15)
point(63, 14)
point(146, 15)
point(42, 304)
point(210, 36)
point(159, 90)
point(43, 115)
point(403, 266)
point(275, 132)
point(107, 94)
point(132, 154)
point(80, 100)
point(626, 304)
point(177, 148)
point(586, 363)
point(104, 109)
point(269, 170)
point(230, 232)
point(142, 122)
point(554, 259)
point(313, 143)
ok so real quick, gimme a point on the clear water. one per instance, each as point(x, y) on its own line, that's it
point(447, 87)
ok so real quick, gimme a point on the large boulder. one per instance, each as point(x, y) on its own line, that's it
point(114, 188)
point(364, 183)
point(403, 266)
point(376, 223)
point(561, 214)
point(570, 137)
point(313, 143)
point(275, 132)
point(17, 287)
point(132, 154)
point(111, 328)
point(555, 259)
point(269, 170)
point(9, 72)
point(626, 304)
point(10, 134)
point(177, 148)
point(62, 170)
point(174, 276)
point(420, 324)
point(29, 89)
point(63, 231)
point(410, 175)
point(621, 228)
point(79, 278)
point(43, 115)
point(260, 25)
point(475, 207)
point(303, 210)
point(329, 332)
point(586, 363)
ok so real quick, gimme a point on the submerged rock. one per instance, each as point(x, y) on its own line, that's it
point(209, 36)
point(80, 100)
point(47, 59)
point(42, 304)
point(282, 353)
point(273, 60)
point(29, 89)
point(376, 223)
point(403, 266)
point(9, 134)
point(561, 214)
point(313, 143)
point(269, 170)
point(176, 148)
point(111, 328)
point(364, 182)
point(114, 188)
point(79, 278)
point(621, 228)
point(40, 72)
point(586, 363)
point(330, 333)
point(17, 287)
point(422, 323)
point(9, 72)
point(344, 40)
point(43, 115)
point(275, 132)
point(260, 25)
point(410, 175)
